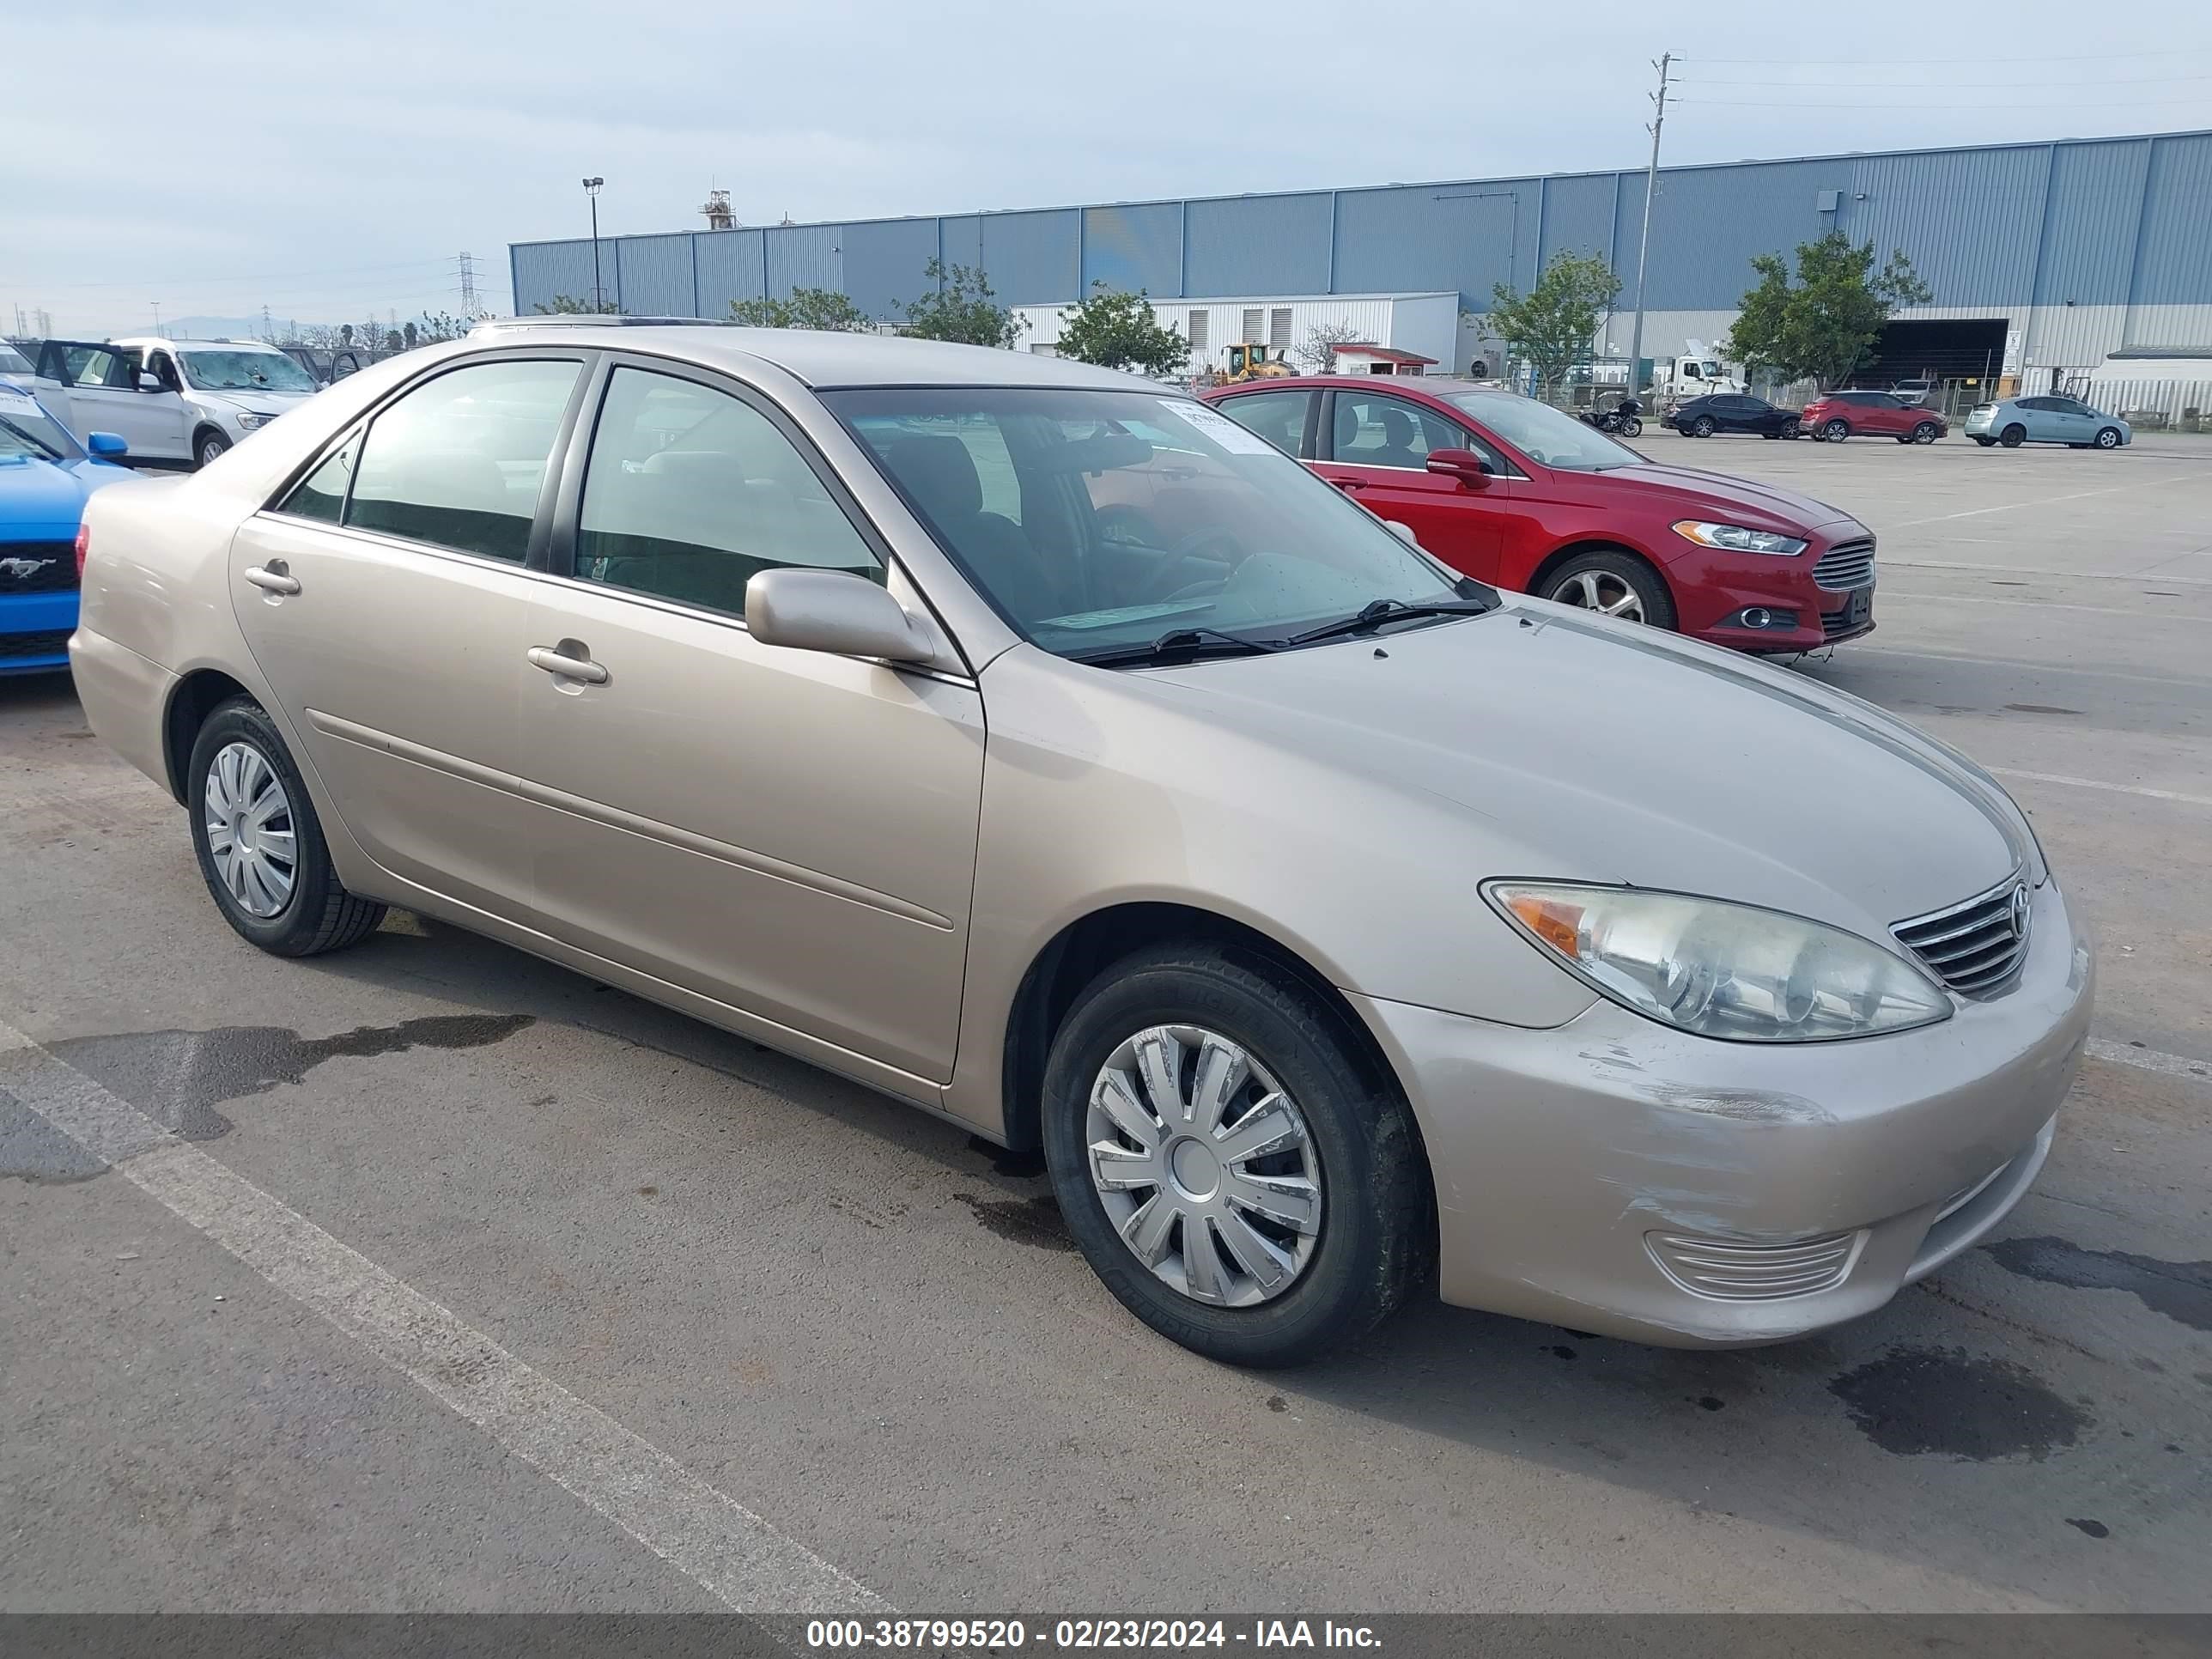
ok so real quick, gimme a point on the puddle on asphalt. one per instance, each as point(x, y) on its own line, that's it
point(1035, 1221)
point(2182, 1290)
point(1940, 1402)
point(178, 1077)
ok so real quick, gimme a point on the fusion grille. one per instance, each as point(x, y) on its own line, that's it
point(1737, 1272)
point(37, 566)
point(1973, 947)
point(1844, 566)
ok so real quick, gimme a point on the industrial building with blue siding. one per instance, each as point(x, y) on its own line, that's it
point(2041, 255)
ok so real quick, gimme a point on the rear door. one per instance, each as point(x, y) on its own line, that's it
point(1376, 446)
point(384, 598)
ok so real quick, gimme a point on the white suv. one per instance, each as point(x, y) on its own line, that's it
point(233, 386)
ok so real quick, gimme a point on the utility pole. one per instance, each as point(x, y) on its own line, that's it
point(157, 316)
point(1644, 248)
point(468, 285)
point(598, 291)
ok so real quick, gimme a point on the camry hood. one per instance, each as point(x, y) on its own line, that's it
point(1763, 507)
point(1588, 751)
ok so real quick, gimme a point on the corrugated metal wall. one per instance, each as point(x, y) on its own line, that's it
point(653, 276)
point(2120, 223)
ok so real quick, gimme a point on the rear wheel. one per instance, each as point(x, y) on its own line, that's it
point(1613, 585)
point(1986, 443)
point(1702, 426)
point(1232, 1169)
point(259, 844)
point(2108, 437)
point(1836, 431)
point(2013, 437)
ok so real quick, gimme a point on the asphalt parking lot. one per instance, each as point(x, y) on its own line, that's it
point(707, 1327)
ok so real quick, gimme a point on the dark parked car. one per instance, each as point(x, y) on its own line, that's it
point(1835, 415)
point(1717, 412)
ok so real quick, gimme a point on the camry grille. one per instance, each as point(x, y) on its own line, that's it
point(1974, 947)
point(1844, 566)
point(1738, 1272)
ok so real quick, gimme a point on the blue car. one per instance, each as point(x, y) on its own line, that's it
point(45, 476)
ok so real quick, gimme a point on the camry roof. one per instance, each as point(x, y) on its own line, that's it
point(821, 358)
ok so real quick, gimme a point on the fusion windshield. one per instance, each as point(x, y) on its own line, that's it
point(1097, 521)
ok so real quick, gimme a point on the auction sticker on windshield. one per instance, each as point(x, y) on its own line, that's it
point(1219, 428)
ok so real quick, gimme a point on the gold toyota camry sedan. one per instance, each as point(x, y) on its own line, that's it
point(1041, 747)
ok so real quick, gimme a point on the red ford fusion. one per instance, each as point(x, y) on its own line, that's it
point(1513, 492)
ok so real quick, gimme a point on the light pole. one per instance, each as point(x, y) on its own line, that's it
point(599, 292)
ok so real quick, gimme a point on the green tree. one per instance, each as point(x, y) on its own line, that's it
point(1118, 329)
point(962, 309)
point(1825, 326)
point(564, 304)
point(1550, 327)
point(808, 307)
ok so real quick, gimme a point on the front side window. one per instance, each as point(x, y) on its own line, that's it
point(1141, 515)
point(219, 370)
point(1278, 416)
point(1378, 431)
point(322, 494)
point(458, 461)
point(690, 492)
point(1544, 434)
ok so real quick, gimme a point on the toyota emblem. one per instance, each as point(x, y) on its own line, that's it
point(2019, 911)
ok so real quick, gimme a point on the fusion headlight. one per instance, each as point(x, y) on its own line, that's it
point(1736, 538)
point(1721, 971)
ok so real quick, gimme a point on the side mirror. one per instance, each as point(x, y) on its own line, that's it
point(150, 383)
point(1404, 532)
point(831, 611)
point(105, 445)
point(1461, 464)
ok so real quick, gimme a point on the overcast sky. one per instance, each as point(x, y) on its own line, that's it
point(326, 161)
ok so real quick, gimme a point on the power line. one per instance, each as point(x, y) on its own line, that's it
point(1949, 86)
point(2201, 102)
point(2053, 57)
point(249, 276)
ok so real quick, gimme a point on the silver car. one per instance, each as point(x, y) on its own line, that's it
point(1329, 919)
point(2050, 420)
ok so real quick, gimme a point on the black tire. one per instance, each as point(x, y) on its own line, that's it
point(1377, 1238)
point(1650, 592)
point(1986, 443)
point(1631, 427)
point(208, 445)
point(2013, 437)
point(1836, 431)
point(1791, 429)
point(1770, 435)
point(1926, 433)
point(319, 914)
point(1702, 427)
point(2108, 437)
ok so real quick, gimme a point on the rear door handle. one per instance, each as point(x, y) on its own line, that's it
point(568, 667)
point(272, 580)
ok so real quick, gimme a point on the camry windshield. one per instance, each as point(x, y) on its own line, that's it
point(244, 371)
point(1104, 523)
point(1544, 434)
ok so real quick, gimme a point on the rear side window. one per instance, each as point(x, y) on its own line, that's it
point(690, 492)
point(1278, 416)
point(458, 462)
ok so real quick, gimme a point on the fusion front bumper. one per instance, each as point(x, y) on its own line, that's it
point(1617, 1176)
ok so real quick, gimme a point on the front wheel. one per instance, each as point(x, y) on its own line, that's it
point(2108, 438)
point(1925, 433)
point(1613, 585)
point(2013, 437)
point(1790, 429)
point(259, 844)
point(1234, 1172)
point(209, 447)
point(1631, 427)
point(1836, 431)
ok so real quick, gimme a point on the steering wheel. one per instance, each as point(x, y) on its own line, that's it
point(1215, 542)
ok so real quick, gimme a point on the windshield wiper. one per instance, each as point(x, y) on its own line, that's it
point(1179, 645)
point(1389, 610)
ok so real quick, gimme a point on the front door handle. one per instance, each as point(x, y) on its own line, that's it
point(569, 665)
point(272, 578)
point(1349, 483)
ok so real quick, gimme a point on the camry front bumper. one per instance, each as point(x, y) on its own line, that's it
point(1617, 1176)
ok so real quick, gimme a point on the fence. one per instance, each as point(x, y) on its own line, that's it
point(2154, 405)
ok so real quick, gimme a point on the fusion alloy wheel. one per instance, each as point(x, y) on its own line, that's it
point(1205, 1166)
point(1606, 591)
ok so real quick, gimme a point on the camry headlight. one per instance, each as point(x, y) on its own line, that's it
point(1736, 538)
point(253, 423)
point(1721, 971)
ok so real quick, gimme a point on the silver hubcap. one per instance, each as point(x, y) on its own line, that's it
point(1602, 591)
point(250, 831)
point(1204, 1166)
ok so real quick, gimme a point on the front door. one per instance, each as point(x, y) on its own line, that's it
point(385, 599)
point(104, 397)
point(788, 832)
point(1376, 447)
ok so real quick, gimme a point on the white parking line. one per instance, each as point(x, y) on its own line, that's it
point(2112, 788)
point(1857, 650)
point(2042, 605)
point(2066, 575)
point(738, 1557)
point(2045, 501)
point(2148, 1060)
